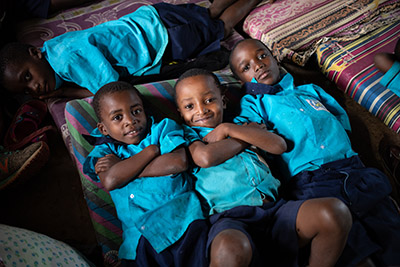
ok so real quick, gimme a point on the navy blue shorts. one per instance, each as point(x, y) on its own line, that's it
point(376, 220)
point(191, 30)
point(271, 230)
point(189, 250)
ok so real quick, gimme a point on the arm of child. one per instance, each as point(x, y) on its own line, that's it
point(68, 91)
point(167, 164)
point(212, 154)
point(251, 133)
point(114, 173)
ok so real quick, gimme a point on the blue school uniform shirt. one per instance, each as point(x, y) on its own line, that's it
point(311, 121)
point(391, 79)
point(244, 179)
point(91, 58)
point(159, 208)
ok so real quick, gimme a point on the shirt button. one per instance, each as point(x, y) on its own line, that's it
point(143, 227)
point(301, 109)
point(322, 146)
point(132, 196)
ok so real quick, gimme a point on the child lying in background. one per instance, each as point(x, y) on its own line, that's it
point(134, 45)
point(389, 64)
point(142, 164)
point(250, 223)
point(319, 161)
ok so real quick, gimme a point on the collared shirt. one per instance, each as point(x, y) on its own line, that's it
point(311, 121)
point(159, 208)
point(91, 58)
point(244, 179)
point(391, 79)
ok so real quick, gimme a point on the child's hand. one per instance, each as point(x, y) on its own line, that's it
point(106, 162)
point(255, 124)
point(219, 133)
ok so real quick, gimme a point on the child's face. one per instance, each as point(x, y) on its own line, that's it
point(251, 59)
point(34, 76)
point(123, 117)
point(200, 102)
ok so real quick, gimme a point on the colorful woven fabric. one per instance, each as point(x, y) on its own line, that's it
point(81, 119)
point(350, 64)
point(293, 28)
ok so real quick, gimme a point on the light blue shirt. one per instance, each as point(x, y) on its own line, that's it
point(244, 179)
point(312, 122)
point(91, 58)
point(159, 208)
point(391, 79)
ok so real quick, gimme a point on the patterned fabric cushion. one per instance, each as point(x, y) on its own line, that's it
point(350, 64)
point(81, 119)
point(21, 247)
point(293, 28)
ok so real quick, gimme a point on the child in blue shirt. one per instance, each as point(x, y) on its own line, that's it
point(142, 164)
point(250, 223)
point(320, 161)
point(134, 45)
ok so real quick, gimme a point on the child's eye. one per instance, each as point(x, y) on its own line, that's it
point(209, 100)
point(262, 56)
point(189, 106)
point(137, 111)
point(246, 68)
point(117, 118)
point(27, 76)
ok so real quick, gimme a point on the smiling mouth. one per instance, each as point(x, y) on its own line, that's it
point(133, 132)
point(263, 75)
point(203, 119)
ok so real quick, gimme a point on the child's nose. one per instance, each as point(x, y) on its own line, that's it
point(130, 120)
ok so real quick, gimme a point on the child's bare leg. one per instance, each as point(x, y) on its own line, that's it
point(218, 6)
point(233, 14)
point(384, 61)
point(325, 222)
point(230, 248)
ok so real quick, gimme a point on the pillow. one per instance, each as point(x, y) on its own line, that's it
point(21, 247)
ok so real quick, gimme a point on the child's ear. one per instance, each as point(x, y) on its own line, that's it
point(224, 101)
point(35, 52)
point(102, 128)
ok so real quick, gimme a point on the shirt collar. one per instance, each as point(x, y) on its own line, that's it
point(259, 88)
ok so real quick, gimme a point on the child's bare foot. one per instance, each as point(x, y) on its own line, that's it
point(234, 13)
point(218, 6)
point(384, 61)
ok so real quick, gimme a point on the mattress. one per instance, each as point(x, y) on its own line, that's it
point(293, 29)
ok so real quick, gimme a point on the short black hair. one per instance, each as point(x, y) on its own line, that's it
point(108, 89)
point(197, 72)
point(233, 50)
point(11, 53)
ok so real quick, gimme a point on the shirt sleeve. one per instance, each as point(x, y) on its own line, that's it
point(89, 71)
point(249, 111)
point(333, 106)
point(391, 79)
point(170, 134)
point(91, 160)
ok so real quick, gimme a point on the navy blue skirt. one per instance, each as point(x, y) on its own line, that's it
point(376, 221)
point(271, 230)
point(191, 31)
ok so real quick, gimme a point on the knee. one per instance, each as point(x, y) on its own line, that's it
point(230, 248)
point(335, 217)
